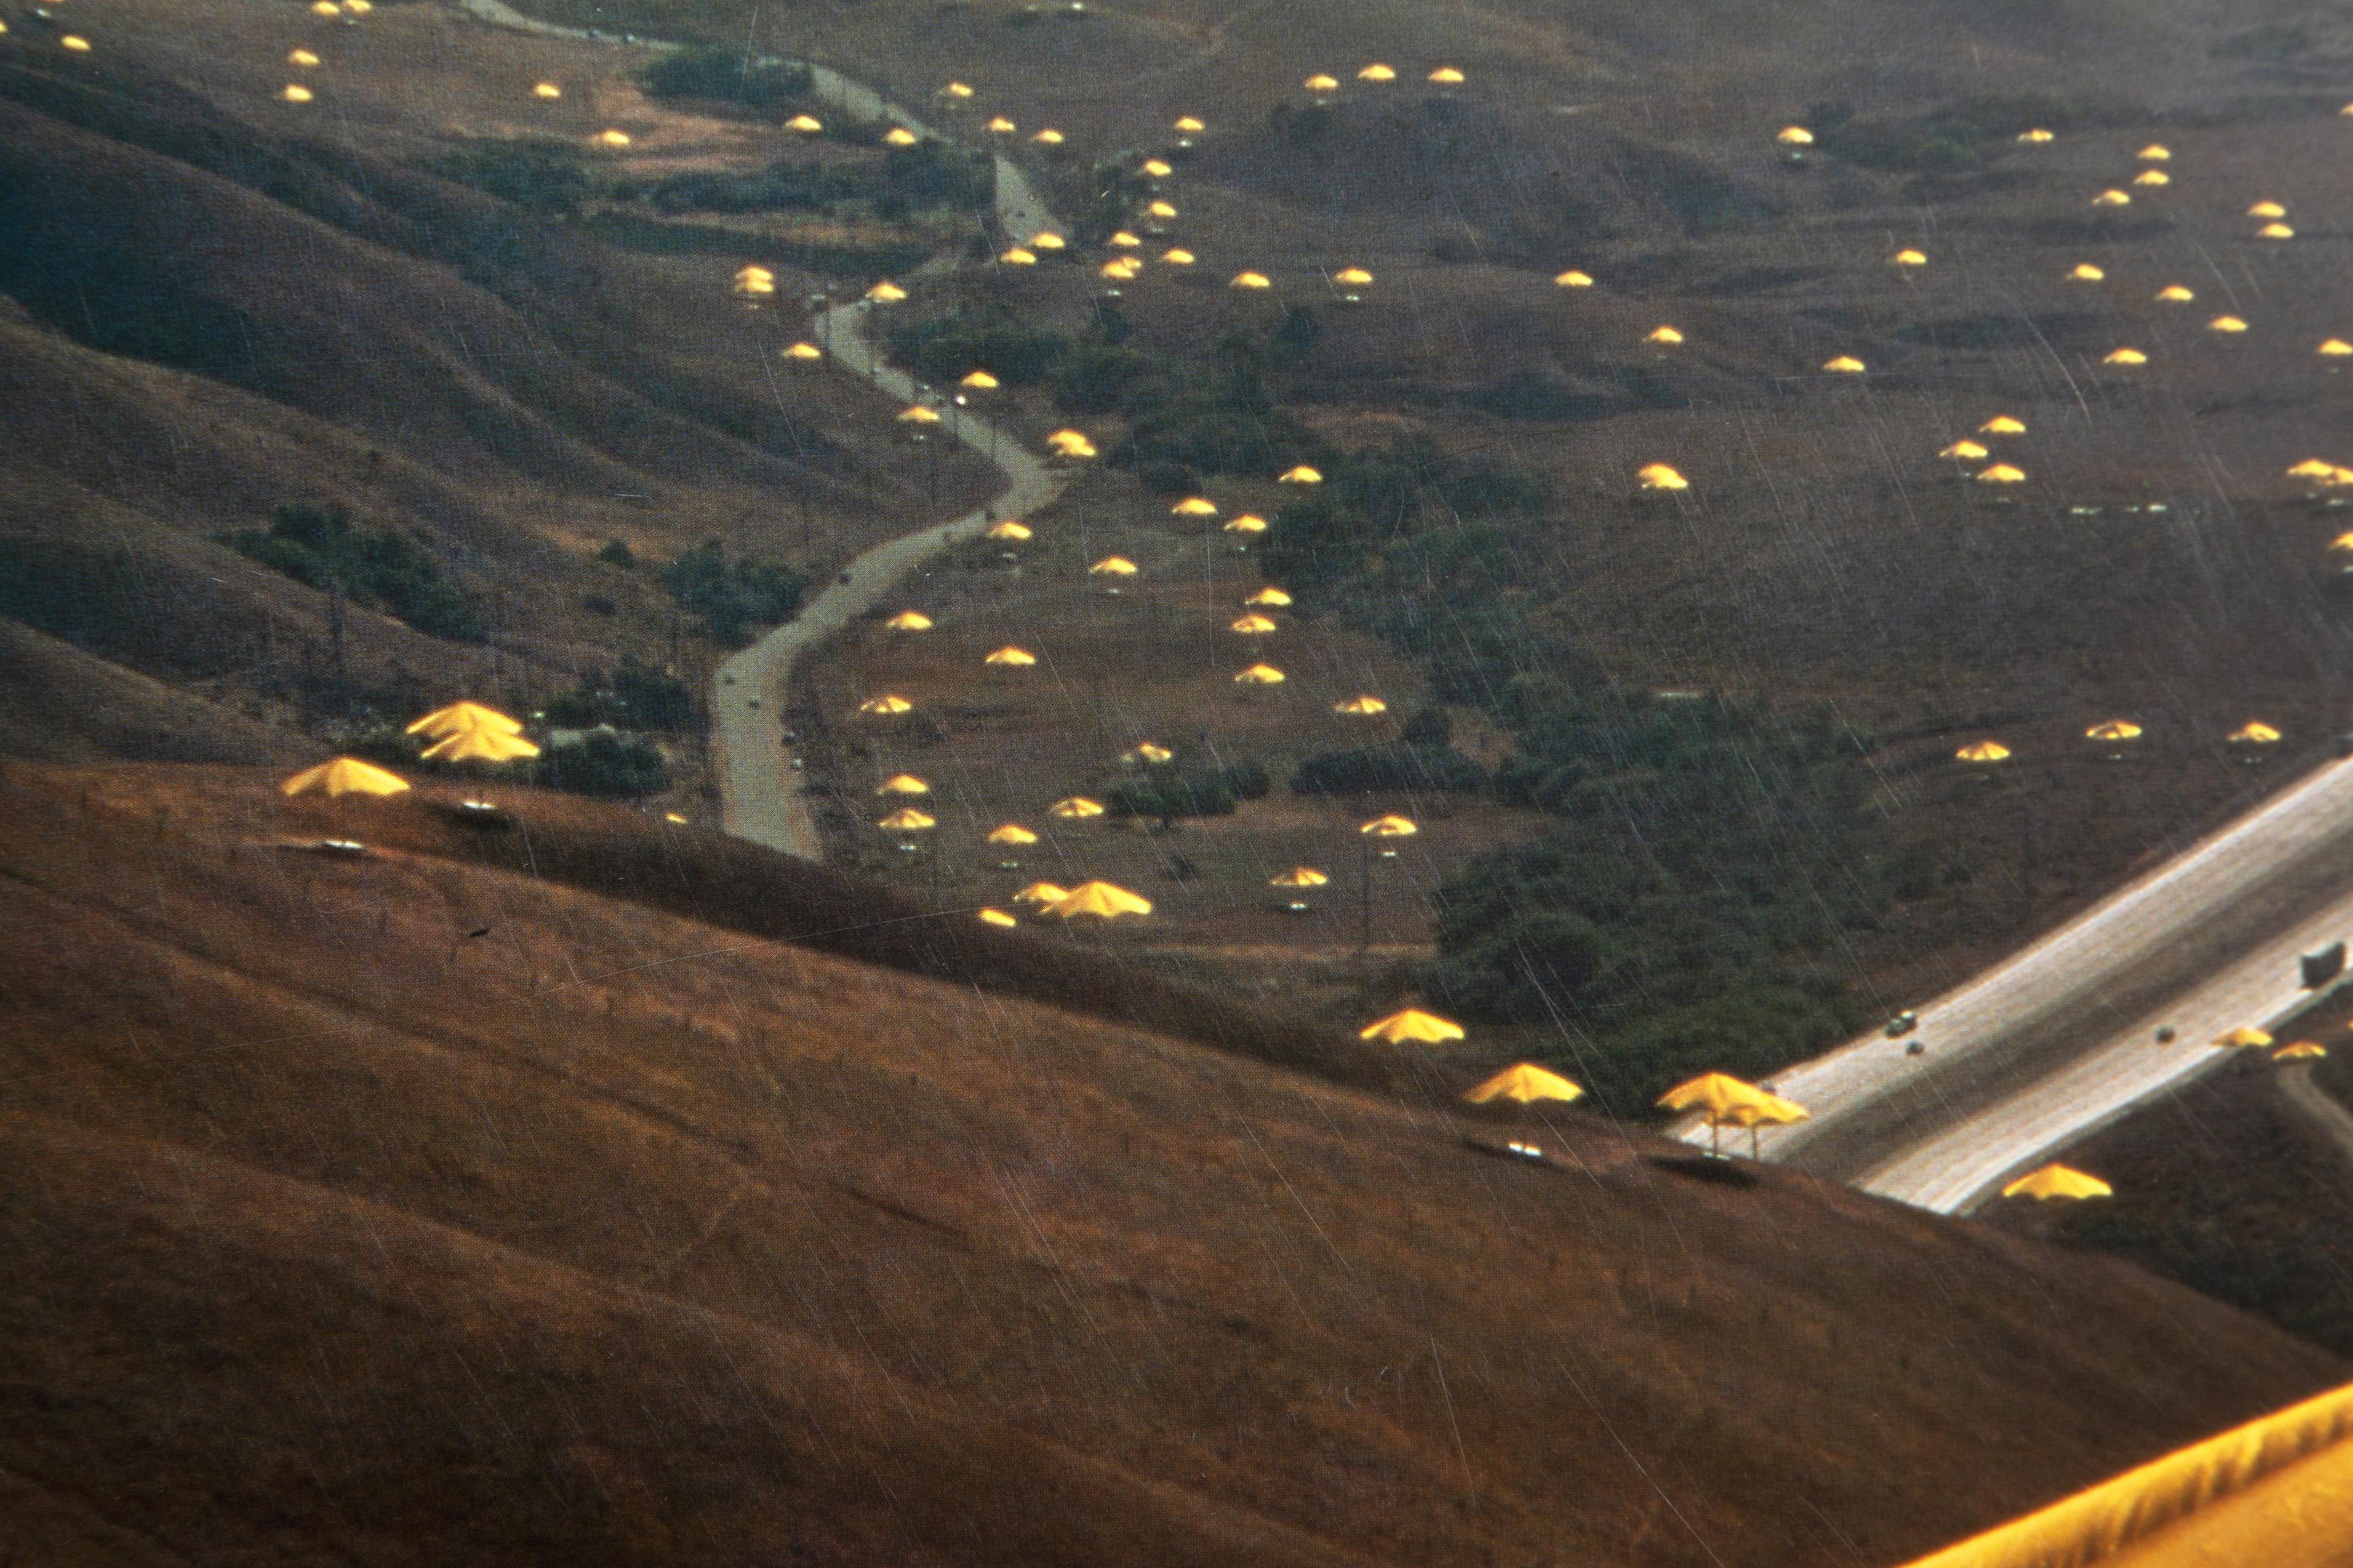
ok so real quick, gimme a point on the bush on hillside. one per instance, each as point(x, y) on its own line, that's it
point(733, 596)
point(633, 696)
point(943, 348)
point(726, 76)
point(325, 549)
point(536, 174)
point(606, 764)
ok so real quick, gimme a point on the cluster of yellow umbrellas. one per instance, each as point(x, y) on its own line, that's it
point(470, 733)
point(2113, 732)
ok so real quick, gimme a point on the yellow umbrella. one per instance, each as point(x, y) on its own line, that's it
point(1794, 136)
point(2002, 474)
point(1715, 1095)
point(479, 746)
point(460, 716)
point(1112, 566)
point(1302, 475)
point(902, 784)
point(1009, 529)
point(2113, 730)
point(1123, 241)
point(907, 819)
point(1572, 278)
point(1390, 826)
point(615, 138)
point(1660, 477)
point(1049, 136)
point(1447, 76)
point(1046, 239)
point(1966, 451)
point(2334, 348)
point(2254, 732)
point(1121, 268)
point(1194, 506)
point(2302, 1050)
point(899, 136)
point(1260, 675)
point(2341, 545)
point(1162, 209)
point(997, 918)
point(978, 381)
point(1299, 877)
point(804, 352)
point(2226, 324)
point(2086, 272)
point(919, 414)
point(2036, 136)
point(305, 57)
point(1524, 1084)
point(1909, 258)
point(2313, 469)
point(1011, 833)
point(1275, 596)
point(886, 293)
point(1771, 1111)
point(2267, 210)
point(1412, 1025)
point(1253, 626)
point(1041, 894)
point(2002, 425)
point(1177, 255)
point(1251, 281)
point(890, 705)
point(1983, 752)
point(1364, 705)
point(1188, 124)
point(1150, 751)
point(755, 282)
point(2124, 356)
point(1010, 657)
point(2058, 1181)
point(1319, 82)
point(344, 775)
point(2152, 177)
point(807, 124)
point(1844, 364)
point(1665, 335)
point(1376, 72)
point(1352, 277)
point(909, 621)
point(2275, 231)
point(2246, 1036)
point(1017, 257)
point(2112, 198)
point(2154, 153)
point(2174, 294)
point(1098, 900)
point(1247, 523)
point(295, 92)
point(1076, 808)
point(1002, 126)
point(955, 90)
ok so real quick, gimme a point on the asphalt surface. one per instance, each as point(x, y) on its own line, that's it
point(759, 790)
point(2060, 1038)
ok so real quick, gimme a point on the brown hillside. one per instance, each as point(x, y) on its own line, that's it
point(402, 1208)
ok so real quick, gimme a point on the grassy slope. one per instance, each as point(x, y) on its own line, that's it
point(378, 338)
point(611, 1235)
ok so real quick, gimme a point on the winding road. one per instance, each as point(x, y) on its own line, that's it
point(759, 789)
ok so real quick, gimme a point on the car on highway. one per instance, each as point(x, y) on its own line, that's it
point(1902, 1024)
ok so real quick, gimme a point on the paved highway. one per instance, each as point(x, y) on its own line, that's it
point(2061, 1038)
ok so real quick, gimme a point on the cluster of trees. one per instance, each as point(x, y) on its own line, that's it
point(322, 546)
point(727, 75)
point(731, 597)
point(606, 764)
point(631, 696)
point(1167, 794)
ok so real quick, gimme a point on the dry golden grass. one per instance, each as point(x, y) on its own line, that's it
point(611, 1235)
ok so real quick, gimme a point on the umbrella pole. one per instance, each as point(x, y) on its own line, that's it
point(1752, 1145)
point(1714, 1138)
